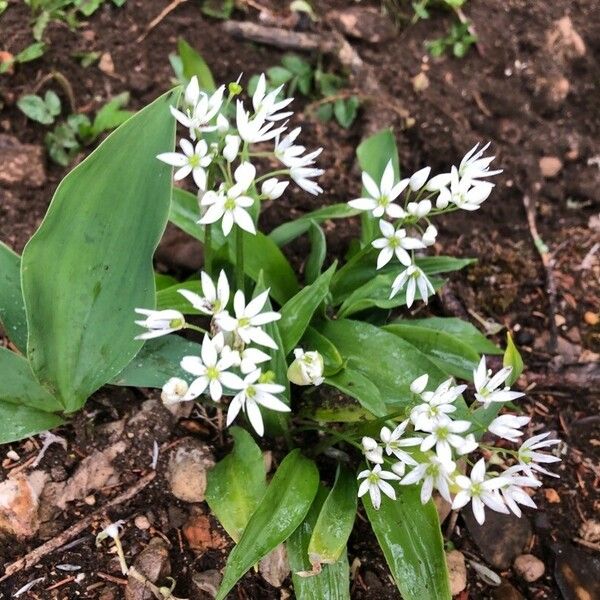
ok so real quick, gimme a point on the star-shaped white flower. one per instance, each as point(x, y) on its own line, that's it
point(529, 457)
point(215, 299)
point(285, 149)
point(266, 104)
point(434, 474)
point(393, 443)
point(488, 388)
point(252, 396)
point(249, 319)
point(381, 197)
point(256, 129)
point(210, 370)
point(508, 426)
point(200, 111)
point(394, 241)
point(414, 278)
point(512, 491)
point(465, 193)
point(375, 482)
point(436, 405)
point(194, 160)
point(475, 166)
point(444, 435)
point(159, 322)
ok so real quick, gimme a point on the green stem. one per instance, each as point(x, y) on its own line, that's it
point(239, 258)
point(208, 249)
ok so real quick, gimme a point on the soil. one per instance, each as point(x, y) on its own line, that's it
point(530, 92)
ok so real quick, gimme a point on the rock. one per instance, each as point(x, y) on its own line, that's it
point(153, 563)
point(506, 591)
point(563, 41)
point(552, 91)
point(576, 573)
point(591, 318)
point(142, 522)
point(550, 166)
point(590, 531)
point(420, 82)
point(21, 163)
point(188, 465)
point(7, 57)
point(552, 496)
point(275, 566)
point(202, 535)
point(528, 567)
point(457, 571)
point(205, 585)
point(19, 503)
point(106, 65)
point(362, 23)
point(501, 538)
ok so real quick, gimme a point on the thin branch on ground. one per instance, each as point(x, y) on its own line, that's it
point(157, 20)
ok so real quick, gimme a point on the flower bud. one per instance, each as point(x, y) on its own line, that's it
point(222, 124)
point(307, 368)
point(235, 89)
point(423, 208)
point(443, 199)
point(272, 188)
point(232, 147)
point(418, 385)
point(429, 236)
point(174, 391)
point(418, 179)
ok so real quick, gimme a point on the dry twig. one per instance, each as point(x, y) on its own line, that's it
point(157, 20)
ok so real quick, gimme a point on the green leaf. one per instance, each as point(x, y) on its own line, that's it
point(35, 108)
point(296, 64)
point(281, 510)
point(163, 281)
point(333, 582)
point(52, 102)
point(12, 307)
point(157, 361)
point(332, 359)
point(194, 64)
point(386, 361)
point(171, 298)
point(336, 519)
point(19, 386)
point(353, 383)
point(512, 358)
point(450, 354)
point(278, 76)
point(111, 115)
point(97, 241)
point(409, 535)
point(219, 9)
point(325, 112)
point(288, 232)
point(19, 422)
point(461, 330)
point(346, 110)
point(237, 484)
point(318, 251)
point(30, 53)
point(297, 312)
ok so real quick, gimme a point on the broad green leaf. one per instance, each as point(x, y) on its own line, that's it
point(97, 241)
point(373, 154)
point(336, 519)
point(111, 115)
point(19, 386)
point(237, 484)
point(313, 340)
point(35, 108)
point(171, 298)
point(385, 360)
point(157, 361)
point(512, 358)
point(12, 307)
point(410, 537)
point(352, 382)
point(345, 111)
point(194, 64)
point(333, 582)
point(163, 281)
point(318, 251)
point(18, 422)
point(450, 354)
point(461, 330)
point(297, 312)
point(288, 232)
point(281, 510)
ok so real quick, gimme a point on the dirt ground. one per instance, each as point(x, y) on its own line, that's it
point(531, 87)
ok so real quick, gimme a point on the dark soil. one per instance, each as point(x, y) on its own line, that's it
point(533, 98)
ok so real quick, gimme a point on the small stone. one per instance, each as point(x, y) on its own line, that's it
point(420, 82)
point(528, 567)
point(19, 503)
point(362, 23)
point(275, 566)
point(106, 65)
point(201, 535)
point(153, 563)
point(13, 456)
point(188, 466)
point(206, 584)
point(6, 56)
point(142, 522)
point(559, 320)
point(563, 41)
point(90, 500)
point(21, 163)
point(552, 496)
point(590, 531)
point(550, 166)
point(591, 318)
point(457, 571)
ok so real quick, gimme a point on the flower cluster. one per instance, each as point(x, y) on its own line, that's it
point(437, 441)
point(230, 355)
point(404, 209)
point(222, 146)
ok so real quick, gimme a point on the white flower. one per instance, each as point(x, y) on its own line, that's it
point(285, 149)
point(394, 241)
point(193, 160)
point(416, 279)
point(512, 492)
point(418, 179)
point(232, 147)
point(444, 435)
point(230, 206)
point(112, 531)
point(465, 193)
point(307, 368)
point(159, 322)
point(486, 385)
point(272, 189)
point(419, 385)
point(251, 396)
point(249, 319)
point(429, 236)
point(248, 358)
point(508, 426)
point(436, 404)
point(211, 371)
point(192, 92)
point(266, 105)
point(302, 176)
point(215, 300)
point(474, 165)
point(419, 209)
point(528, 457)
point(435, 474)
point(254, 130)
point(174, 391)
point(381, 197)
point(197, 116)
point(393, 443)
point(372, 450)
point(222, 124)
point(375, 483)
point(480, 491)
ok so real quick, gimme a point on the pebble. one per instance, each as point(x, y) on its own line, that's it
point(275, 566)
point(206, 584)
point(457, 571)
point(188, 466)
point(201, 535)
point(153, 563)
point(13, 455)
point(564, 41)
point(552, 496)
point(550, 166)
point(590, 531)
point(528, 567)
point(142, 522)
point(21, 163)
point(90, 500)
point(591, 318)
point(19, 502)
